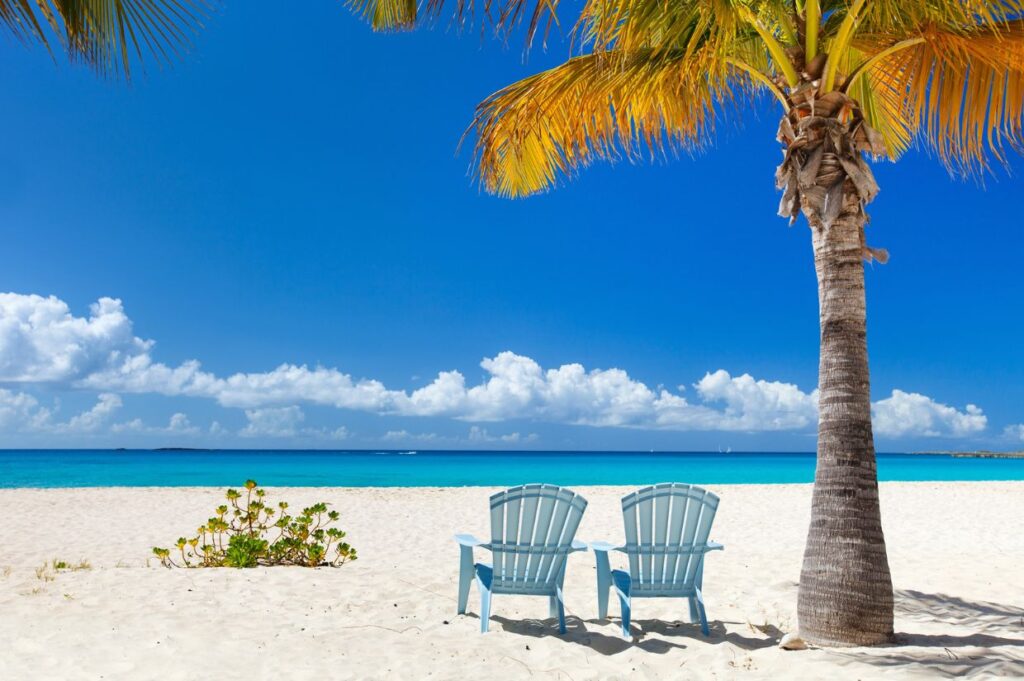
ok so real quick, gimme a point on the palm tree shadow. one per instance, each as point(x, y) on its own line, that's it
point(983, 649)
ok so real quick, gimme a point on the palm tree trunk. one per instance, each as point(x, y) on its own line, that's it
point(845, 588)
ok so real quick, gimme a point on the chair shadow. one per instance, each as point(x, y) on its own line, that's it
point(669, 635)
point(990, 651)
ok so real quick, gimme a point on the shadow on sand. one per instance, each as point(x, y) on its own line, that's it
point(984, 639)
point(979, 638)
point(670, 635)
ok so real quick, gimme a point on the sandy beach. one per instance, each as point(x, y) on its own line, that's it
point(956, 551)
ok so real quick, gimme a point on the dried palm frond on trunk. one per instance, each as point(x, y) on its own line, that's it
point(825, 141)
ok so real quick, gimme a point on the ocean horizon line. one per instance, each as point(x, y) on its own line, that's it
point(47, 468)
point(981, 453)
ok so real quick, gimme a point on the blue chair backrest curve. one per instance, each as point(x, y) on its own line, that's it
point(667, 527)
point(532, 529)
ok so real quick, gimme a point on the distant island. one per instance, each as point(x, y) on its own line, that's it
point(980, 454)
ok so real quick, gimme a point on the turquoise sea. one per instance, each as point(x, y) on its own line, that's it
point(134, 468)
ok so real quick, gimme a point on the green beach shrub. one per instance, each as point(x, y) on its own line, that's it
point(239, 535)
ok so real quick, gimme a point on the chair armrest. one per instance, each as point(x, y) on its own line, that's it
point(470, 541)
point(604, 546)
point(714, 546)
point(578, 545)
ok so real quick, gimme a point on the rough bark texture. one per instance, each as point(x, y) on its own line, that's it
point(845, 595)
point(845, 588)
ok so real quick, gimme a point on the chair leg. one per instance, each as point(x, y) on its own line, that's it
point(485, 605)
point(624, 606)
point(703, 614)
point(694, 612)
point(465, 576)
point(560, 604)
point(552, 606)
point(604, 583)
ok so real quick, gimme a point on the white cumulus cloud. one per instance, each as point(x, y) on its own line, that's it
point(481, 435)
point(519, 388)
point(91, 420)
point(284, 422)
point(21, 411)
point(1015, 432)
point(272, 422)
point(759, 405)
point(398, 436)
point(41, 341)
point(906, 413)
point(178, 424)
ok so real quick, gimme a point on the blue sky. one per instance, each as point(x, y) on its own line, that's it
point(290, 194)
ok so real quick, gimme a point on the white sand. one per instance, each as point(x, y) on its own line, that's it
point(957, 554)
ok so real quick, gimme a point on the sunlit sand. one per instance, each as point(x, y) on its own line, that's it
point(955, 550)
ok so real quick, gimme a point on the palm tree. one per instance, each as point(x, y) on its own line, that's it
point(852, 78)
point(110, 36)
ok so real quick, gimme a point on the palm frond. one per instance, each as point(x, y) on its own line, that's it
point(959, 92)
point(503, 16)
point(880, 103)
point(909, 17)
point(19, 17)
point(108, 35)
point(658, 25)
point(882, 106)
point(386, 15)
point(592, 107)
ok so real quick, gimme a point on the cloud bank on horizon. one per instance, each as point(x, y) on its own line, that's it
point(43, 343)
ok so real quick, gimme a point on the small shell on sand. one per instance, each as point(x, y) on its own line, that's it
point(792, 641)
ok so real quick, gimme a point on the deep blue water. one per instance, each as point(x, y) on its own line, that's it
point(99, 468)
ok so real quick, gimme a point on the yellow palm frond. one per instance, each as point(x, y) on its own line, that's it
point(108, 35)
point(593, 107)
point(386, 15)
point(503, 15)
point(652, 74)
point(959, 92)
point(881, 104)
point(724, 27)
point(908, 17)
point(658, 25)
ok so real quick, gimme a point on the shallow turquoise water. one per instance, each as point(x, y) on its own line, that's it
point(132, 468)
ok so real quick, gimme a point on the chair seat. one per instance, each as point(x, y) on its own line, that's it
point(624, 583)
point(485, 572)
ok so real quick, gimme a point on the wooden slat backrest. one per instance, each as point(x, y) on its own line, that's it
point(667, 526)
point(532, 528)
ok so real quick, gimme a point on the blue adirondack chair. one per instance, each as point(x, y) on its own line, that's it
point(667, 528)
point(533, 529)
